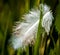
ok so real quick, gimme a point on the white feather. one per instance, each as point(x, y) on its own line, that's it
point(47, 21)
point(25, 32)
point(45, 9)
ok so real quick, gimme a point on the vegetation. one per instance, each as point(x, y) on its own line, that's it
point(11, 11)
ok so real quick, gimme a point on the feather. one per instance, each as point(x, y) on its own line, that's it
point(47, 21)
point(25, 32)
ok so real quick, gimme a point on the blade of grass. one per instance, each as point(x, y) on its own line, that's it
point(39, 32)
point(5, 33)
point(27, 50)
point(38, 40)
point(36, 3)
point(19, 52)
point(6, 16)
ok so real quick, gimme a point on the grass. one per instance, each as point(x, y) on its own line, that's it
point(10, 12)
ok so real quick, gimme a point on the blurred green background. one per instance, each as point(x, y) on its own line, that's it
point(12, 11)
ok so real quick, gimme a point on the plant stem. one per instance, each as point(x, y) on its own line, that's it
point(36, 3)
point(5, 33)
point(52, 36)
point(38, 40)
point(27, 50)
point(19, 51)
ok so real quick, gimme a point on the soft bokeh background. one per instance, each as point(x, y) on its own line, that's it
point(12, 10)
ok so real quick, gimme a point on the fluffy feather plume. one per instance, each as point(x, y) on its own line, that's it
point(47, 21)
point(25, 32)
